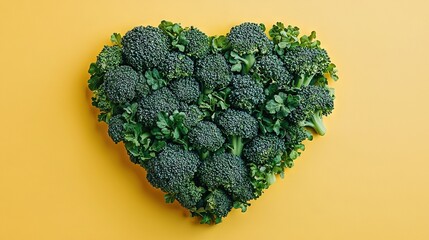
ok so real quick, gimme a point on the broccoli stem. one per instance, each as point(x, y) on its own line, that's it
point(304, 81)
point(316, 122)
point(204, 154)
point(248, 61)
point(237, 145)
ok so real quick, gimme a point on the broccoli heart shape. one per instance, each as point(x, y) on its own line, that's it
point(213, 119)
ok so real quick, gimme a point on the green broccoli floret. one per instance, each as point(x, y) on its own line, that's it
point(145, 47)
point(186, 90)
point(172, 169)
point(314, 102)
point(116, 128)
point(271, 70)
point(229, 172)
point(142, 87)
point(294, 136)
point(237, 125)
point(193, 114)
point(161, 100)
point(246, 92)
point(213, 71)
point(109, 58)
point(249, 38)
point(176, 65)
point(120, 84)
point(305, 63)
point(206, 136)
point(189, 194)
point(219, 203)
point(264, 149)
point(197, 43)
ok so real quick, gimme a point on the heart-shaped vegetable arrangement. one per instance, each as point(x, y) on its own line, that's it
point(213, 120)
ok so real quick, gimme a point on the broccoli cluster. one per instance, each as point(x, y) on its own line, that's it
point(213, 119)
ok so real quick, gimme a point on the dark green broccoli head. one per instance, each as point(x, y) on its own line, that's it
point(246, 92)
point(145, 47)
point(213, 71)
point(295, 134)
point(193, 114)
point(305, 62)
point(161, 100)
point(189, 194)
point(120, 84)
point(176, 65)
point(142, 87)
point(228, 172)
point(271, 70)
point(186, 90)
point(219, 203)
point(249, 38)
point(264, 149)
point(237, 123)
point(206, 136)
point(172, 169)
point(197, 43)
point(314, 102)
point(109, 58)
point(116, 128)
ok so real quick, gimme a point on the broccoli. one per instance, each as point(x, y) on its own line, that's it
point(186, 90)
point(237, 125)
point(206, 136)
point(294, 136)
point(197, 43)
point(189, 194)
point(145, 47)
point(314, 102)
point(305, 63)
point(213, 71)
point(193, 115)
point(219, 203)
point(109, 58)
point(172, 169)
point(263, 149)
point(161, 100)
point(249, 38)
point(229, 172)
point(120, 84)
point(176, 65)
point(272, 71)
point(116, 128)
point(142, 87)
point(246, 93)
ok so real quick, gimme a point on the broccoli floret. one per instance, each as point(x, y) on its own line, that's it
point(120, 84)
point(176, 65)
point(206, 136)
point(142, 87)
point(161, 100)
point(246, 92)
point(294, 136)
point(305, 63)
point(197, 43)
point(271, 70)
point(109, 58)
point(186, 90)
point(237, 125)
point(145, 47)
point(189, 194)
point(213, 71)
point(193, 114)
point(172, 169)
point(219, 203)
point(264, 149)
point(229, 172)
point(249, 38)
point(116, 128)
point(314, 102)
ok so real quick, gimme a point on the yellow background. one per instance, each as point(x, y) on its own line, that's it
point(61, 177)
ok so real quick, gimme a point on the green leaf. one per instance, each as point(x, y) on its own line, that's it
point(116, 39)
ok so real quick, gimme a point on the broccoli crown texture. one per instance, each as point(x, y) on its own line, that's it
point(145, 47)
point(219, 202)
point(116, 128)
point(206, 135)
point(161, 100)
point(197, 43)
point(228, 172)
point(238, 123)
point(120, 84)
point(176, 65)
point(193, 114)
point(189, 194)
point(213, 71)
point(186, 90)
point(248, 38)
point(272, 70)
point(246, 92)
point(263, 149)
point(109, 58)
